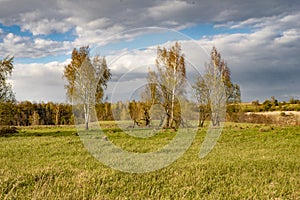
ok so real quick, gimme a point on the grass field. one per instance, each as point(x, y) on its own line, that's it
point(248, 162)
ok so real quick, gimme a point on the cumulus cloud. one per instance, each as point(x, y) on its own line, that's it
point(93, 21)
point(264, 60)
point(59, 16)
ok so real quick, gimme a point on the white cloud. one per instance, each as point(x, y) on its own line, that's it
point(95, 36)
point(27, 47)
point(39, 81)
point(129, 60)
point(45, 26)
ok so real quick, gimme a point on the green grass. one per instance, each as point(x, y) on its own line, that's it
point(248, 162)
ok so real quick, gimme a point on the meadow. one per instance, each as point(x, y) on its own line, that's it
point(250, 161)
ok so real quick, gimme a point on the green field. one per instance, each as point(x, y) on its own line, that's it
point(248, 162)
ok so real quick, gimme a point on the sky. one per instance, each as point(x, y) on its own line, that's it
point(260, 41)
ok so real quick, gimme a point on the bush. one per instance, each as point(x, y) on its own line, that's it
point(8, 131)
point(282, 114)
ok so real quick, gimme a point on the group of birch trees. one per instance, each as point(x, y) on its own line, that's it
point(87, 78)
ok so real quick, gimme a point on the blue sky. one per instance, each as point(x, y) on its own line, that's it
point(259, 40)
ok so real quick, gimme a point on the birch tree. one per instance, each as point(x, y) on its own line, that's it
point(169, 80)
point(215, 89)
point(87, 78)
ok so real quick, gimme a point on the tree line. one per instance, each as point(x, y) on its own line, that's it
point(272, 104)
point(27, 113)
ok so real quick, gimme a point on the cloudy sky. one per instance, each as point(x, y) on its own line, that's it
point(260, 40)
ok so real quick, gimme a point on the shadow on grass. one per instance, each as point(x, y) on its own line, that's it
point(56, 133)
point(41, 133)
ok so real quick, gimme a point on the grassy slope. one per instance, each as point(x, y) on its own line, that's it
point(249, 161)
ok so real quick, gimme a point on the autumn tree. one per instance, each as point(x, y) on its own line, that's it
point(139, 113)
point(104, 111)
point(87, 78)
point(166, 85)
